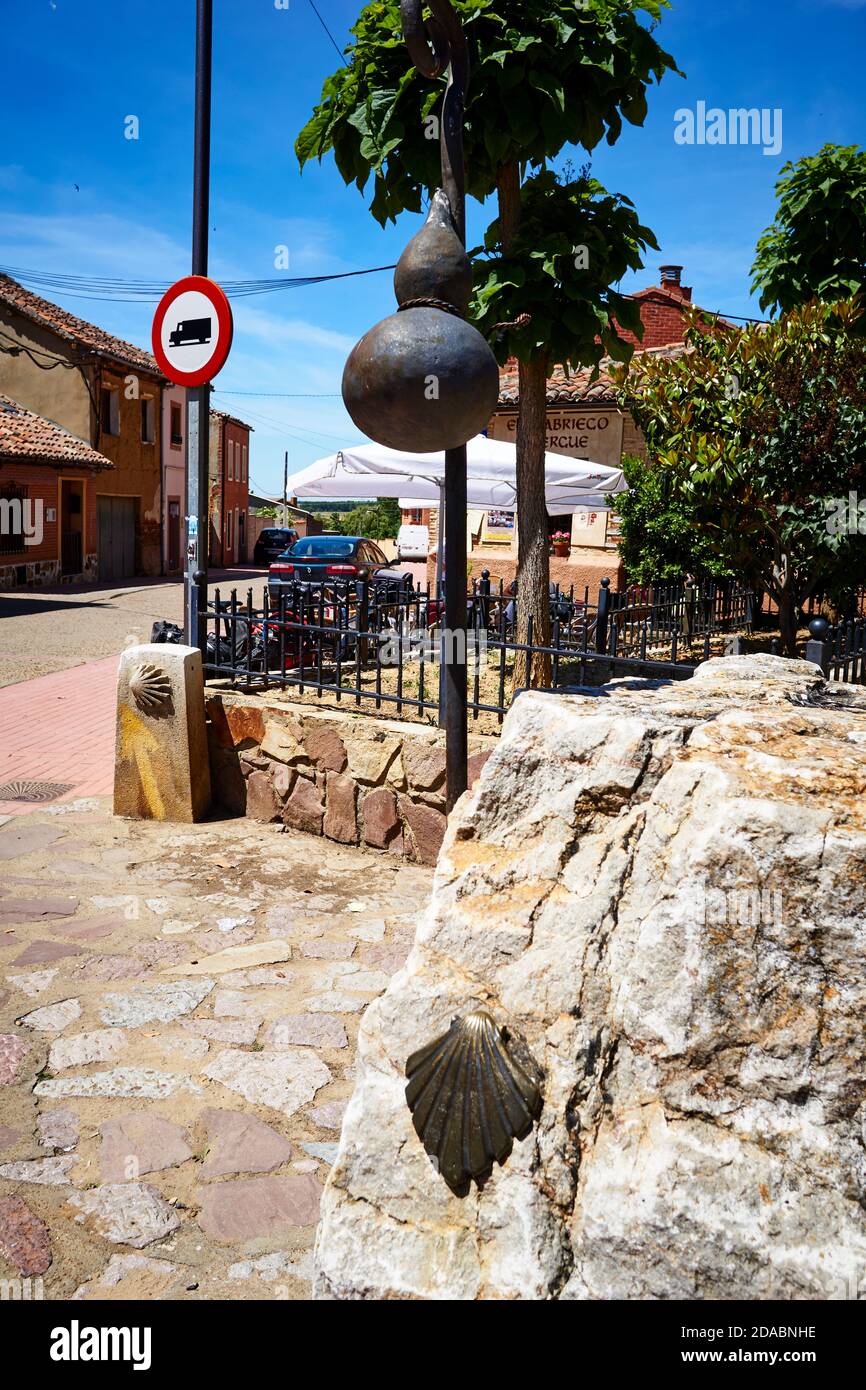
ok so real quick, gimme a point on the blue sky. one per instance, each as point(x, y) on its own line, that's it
point(73, 70)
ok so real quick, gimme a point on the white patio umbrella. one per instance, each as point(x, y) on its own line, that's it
point(370, 471)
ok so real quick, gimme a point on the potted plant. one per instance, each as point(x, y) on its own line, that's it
point(561, 542)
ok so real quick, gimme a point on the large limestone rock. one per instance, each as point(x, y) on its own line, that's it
point(662, 891)
point(161, 767)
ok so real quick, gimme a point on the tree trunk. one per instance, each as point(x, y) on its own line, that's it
point(788, 614)
point(533, 568)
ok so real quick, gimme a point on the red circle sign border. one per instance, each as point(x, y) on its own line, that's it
point(225, 321)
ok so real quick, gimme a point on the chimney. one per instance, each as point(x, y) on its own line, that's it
point(672, 280)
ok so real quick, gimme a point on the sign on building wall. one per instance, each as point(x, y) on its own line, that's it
point(498, 528)
point(583, 433)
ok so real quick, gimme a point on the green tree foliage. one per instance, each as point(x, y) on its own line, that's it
point(816, 248)
point(376, 521)
point(546, 74)
point(761, 435)
point(660, 532)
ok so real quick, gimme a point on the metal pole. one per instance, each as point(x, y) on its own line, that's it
point(456, 721)
point(198, 429)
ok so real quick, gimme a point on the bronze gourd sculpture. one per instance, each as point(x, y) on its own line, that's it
point(425, 380)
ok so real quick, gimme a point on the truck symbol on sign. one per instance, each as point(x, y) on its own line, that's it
point(191, 331)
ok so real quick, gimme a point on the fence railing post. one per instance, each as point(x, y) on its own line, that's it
point(602, 623)
point(818, 648)
point(362, 593)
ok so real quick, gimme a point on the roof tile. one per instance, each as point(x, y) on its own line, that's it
point(30, 438)
point(73, 329)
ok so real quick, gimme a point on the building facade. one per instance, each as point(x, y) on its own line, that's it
point(229, 464)
point(49, 483)
point(174, 478)
point(107, 393)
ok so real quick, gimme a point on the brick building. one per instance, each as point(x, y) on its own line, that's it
point(229, 461)
point(49, 482)
point(106, 392)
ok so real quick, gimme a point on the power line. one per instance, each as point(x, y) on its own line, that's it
point(285, 395)
point(340, 53)
point(144, 291)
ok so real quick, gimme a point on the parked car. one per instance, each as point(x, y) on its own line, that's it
point(272, 542)
point(336, 561)
point(413, 543)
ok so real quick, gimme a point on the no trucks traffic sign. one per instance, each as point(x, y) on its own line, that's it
point(192, 331)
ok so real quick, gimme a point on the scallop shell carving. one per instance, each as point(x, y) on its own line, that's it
point(470, 1099)
point(150, 688)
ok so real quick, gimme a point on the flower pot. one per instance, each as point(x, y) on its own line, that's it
point(561, 549)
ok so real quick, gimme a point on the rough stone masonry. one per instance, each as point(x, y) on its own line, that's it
point(661, 891)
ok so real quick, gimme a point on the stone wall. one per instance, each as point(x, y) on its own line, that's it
point(659, 891)
point(351, 778)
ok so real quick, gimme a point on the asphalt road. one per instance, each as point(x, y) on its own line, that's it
point(46, 630)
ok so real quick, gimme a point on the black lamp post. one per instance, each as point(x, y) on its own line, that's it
point(425, 380)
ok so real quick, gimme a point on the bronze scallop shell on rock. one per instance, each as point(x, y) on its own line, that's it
point(150, 688)
point(470, 1099)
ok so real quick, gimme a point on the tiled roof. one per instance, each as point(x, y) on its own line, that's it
point(30, 438)
point(72, 329)
point(576, 387)
point(231, 420)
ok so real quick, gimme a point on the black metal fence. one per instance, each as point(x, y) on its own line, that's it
point(840, 649)
point(379, 642)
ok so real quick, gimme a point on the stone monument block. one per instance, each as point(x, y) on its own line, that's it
point(161, 769)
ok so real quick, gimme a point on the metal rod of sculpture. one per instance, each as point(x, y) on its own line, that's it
point(439, 45)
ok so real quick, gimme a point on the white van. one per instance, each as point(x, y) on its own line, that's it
point(413, 542)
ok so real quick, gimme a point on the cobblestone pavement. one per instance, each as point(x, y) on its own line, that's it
point(178, 1014)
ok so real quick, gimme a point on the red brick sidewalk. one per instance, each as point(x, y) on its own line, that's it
point(60, 728)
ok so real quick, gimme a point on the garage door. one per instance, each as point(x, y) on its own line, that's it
point(116, 540)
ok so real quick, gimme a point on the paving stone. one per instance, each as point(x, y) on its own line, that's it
point(129, 1213)
point(8, 1137)
point(239, 1143)
point(390, 959)
point(140, 1143)
point(369, 931)
point(36, 909)
point(306, 1165)
point(34, 983)
point(163, 953)
point(236, 1003)
point(334, 1002)
point(24, 1239)
point(15, 843)
point(279, 1265)
point(52, 1018)
point(238, 958)
point(369, 981)
point(82, 1048)
point(151, 1278)
point(215, 940)
point(341, 821)
point(39, 952)
point(58, 1129)
point(105, 968)
point(90, 928)
point(139, 1083)
point(48, 1172)
point(326, 1152)
point(330, 1115)
point(327, 948)
point(259, 1208)
point(307, 1030)
point(12, 1054)
point(263, 978)
point(155, 1003)
point(284, 1081)
point(241, 1031)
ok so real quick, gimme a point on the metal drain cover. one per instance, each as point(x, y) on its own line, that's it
point(33, 791)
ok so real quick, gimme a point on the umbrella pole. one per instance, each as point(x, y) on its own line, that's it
point(455, 635)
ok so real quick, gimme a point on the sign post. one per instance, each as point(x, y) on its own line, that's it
point(192, 338)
